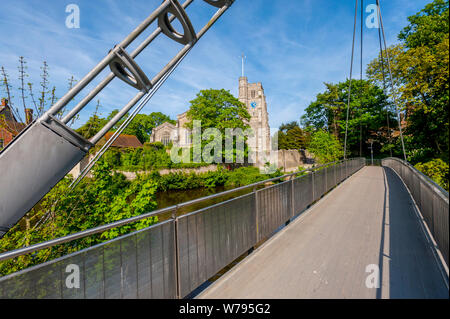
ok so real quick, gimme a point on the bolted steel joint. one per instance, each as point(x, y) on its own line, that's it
point(189, 35)
point(219, 3)
point(126, 69)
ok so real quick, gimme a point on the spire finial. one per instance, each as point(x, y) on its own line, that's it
point(243, 61)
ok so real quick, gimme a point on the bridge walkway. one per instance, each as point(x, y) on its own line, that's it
point(370, 219)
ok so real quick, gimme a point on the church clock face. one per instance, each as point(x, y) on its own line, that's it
point(253, 104)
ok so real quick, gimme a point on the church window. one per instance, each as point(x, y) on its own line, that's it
point(188, 139)
point(253, 94)
point(166, 138)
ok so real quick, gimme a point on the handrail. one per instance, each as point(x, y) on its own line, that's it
point(100, 229)
point(432, 184)
point(431, 200)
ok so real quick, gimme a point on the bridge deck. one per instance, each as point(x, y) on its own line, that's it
point(369, 219)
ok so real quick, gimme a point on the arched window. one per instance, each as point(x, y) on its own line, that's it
point(166, 138)
point(188, 139)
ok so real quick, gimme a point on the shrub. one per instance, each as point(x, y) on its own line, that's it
point(325, 146)
point(437, 170)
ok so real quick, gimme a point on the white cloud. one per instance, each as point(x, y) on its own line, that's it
point(292, 48)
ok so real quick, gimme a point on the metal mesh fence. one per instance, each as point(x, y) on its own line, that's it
point(430, 198)
point(173, 258)
point(303, 192)
point(213, 237)
point(274, 208)
point(319, 183)
point(139, 265)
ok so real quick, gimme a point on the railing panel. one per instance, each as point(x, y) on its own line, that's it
point(139, 265)
point(319, 183)
point(74, 293)
point(346, 168)
point(349, 168)
point(213, 237)
point(426, 206)
point(354, 166)
point(330, 178)
point(415, 189)
point(430, 198)
point(341, 171)
point(303, 193)
point(441, 225)
point(93, 274)
point(173, 258)
point(113, 270)
point(274, 208)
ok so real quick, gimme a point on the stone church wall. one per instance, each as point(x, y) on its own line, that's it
point(290, 160)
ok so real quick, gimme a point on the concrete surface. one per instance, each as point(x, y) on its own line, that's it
point(368, 220)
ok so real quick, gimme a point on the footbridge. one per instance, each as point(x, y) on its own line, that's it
point(341, 230)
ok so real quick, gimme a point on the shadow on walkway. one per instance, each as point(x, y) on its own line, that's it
point(413, 270)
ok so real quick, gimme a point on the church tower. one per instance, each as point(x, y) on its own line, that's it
point(252, 95)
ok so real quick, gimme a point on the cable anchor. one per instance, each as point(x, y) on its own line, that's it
point(189, 35)
point(125, 68)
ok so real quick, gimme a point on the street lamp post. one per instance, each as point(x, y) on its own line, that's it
point(371, 149)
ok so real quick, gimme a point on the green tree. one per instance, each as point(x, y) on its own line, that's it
point(218, 109)
point(92, 126)
point(369, 112)
point(325, 146)
point(104, 198)
point(421, 77)
point(143, 124)
point(221, 110)
point(437, 170)
point(291, 137)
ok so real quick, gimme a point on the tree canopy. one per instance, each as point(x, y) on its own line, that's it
point(219, 109)
point(421, 78)
point(291, 137)
point(325, 146)
point(369, 112)
point(141, 126)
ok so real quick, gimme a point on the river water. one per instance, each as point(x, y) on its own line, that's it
point(174, 197)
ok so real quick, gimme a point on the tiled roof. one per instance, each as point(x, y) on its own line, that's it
point(8, 121)
point(11, 126)
point(124, 141)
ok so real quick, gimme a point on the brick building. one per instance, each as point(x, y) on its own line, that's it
point(9, 126)
point(123, 141)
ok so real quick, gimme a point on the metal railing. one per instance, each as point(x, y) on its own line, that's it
point(174, 257)
point(431, 199)
point(373, 162)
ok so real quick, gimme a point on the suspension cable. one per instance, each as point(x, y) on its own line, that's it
point(110, 141)
point(384, 82)
point(361, 75)
point(350, 85)
point(394, 95)
point(125, 123)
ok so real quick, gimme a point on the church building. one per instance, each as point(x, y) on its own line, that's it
point(251, 94)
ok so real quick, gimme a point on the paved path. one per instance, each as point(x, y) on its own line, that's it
point(367, 220)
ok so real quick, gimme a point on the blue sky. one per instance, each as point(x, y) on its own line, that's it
point(292, 47)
